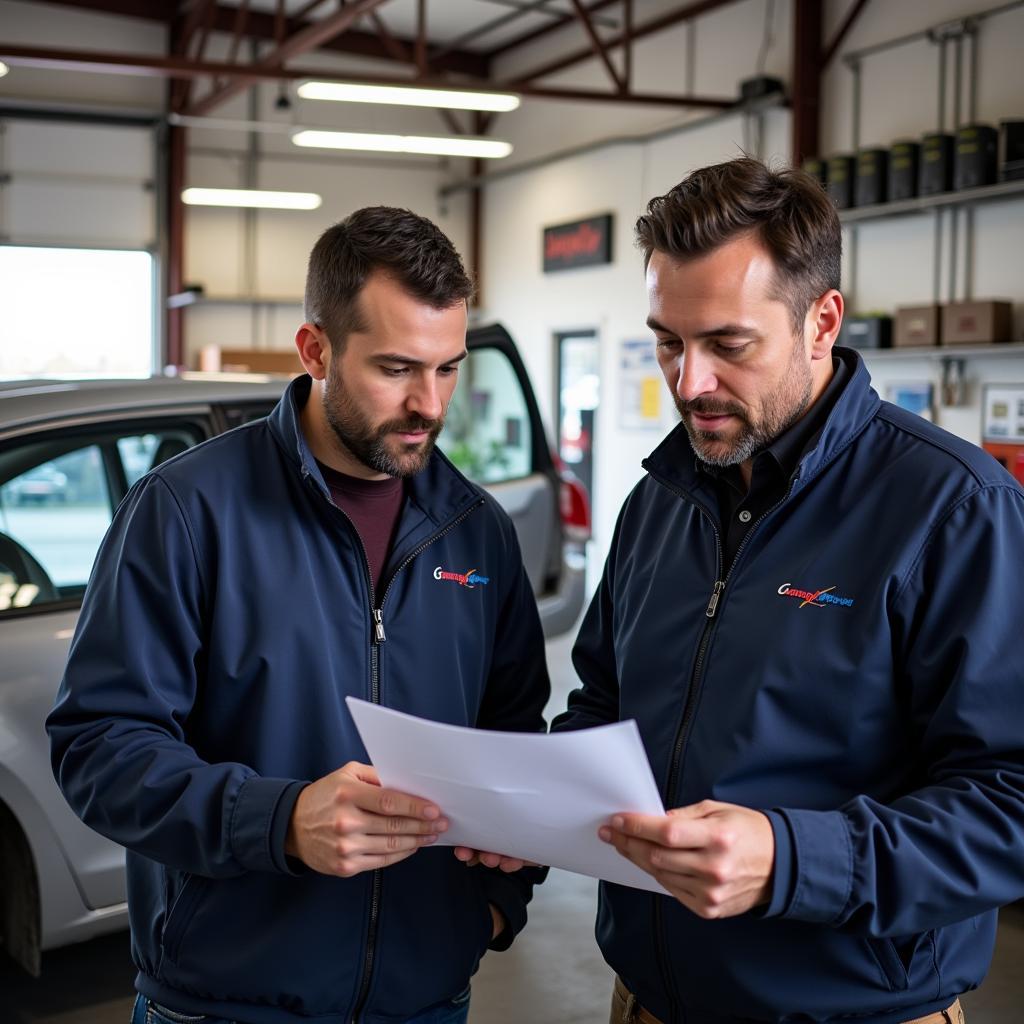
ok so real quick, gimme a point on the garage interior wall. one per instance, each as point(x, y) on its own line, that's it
point(236, 255)
point(894, 265)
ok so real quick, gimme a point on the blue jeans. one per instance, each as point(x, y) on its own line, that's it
point(452, 1011)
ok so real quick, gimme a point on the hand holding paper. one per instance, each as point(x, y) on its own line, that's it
point(528, 795)
point(717, 859)
point(346, 823)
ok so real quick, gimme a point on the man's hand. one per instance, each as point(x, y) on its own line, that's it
point(346, 823)
point(716, 859)
point(491, 860)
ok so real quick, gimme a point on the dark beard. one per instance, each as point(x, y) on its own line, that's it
point(778, 416)
point(368, 443)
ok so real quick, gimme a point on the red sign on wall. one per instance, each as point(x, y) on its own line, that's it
point(582, 243)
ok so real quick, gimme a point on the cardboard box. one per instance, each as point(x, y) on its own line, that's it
point(916, 327)
point(985, 322)
point(213, 358)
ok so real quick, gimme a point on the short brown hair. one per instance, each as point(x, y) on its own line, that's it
point(412, 249)
point(788, 209)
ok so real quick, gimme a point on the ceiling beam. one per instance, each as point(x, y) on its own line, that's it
point(238, 33)
point(397, 51)
point(627, 46)
point(597, 46)
point(261, 26)
point(181, 67)
point(641, 99)
point(420, 47)
point(561, 21)
point(830, 50)
point(306, 39)
point(692, 10)
point(150, 10)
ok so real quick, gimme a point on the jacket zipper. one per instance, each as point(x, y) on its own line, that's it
point(672, 782)
point(379, 637)
point(371, 934)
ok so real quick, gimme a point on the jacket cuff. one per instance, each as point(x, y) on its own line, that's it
point(783, 870)
point(510, 893)
point(251, 829)
point(279, 830)
point(823, 852)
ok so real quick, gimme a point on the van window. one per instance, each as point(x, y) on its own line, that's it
point(487, 431)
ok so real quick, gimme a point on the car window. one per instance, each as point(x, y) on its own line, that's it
point(57, 498)
point(487, 431)
point(143, 452)
point(237, 415)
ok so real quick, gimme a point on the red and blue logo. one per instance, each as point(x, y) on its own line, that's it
point(470, 579)
point(818, 598)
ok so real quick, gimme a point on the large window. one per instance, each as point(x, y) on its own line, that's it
point(75, 312)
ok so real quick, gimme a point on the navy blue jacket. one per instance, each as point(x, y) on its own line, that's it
point(228, 616)
point(861, 679)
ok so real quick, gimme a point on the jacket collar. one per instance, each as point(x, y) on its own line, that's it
point(675, 463)
point(440, 490)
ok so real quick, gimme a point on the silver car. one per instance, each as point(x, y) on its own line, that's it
point(73, 450)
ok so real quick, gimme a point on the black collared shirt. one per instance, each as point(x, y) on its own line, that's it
point(739, 508)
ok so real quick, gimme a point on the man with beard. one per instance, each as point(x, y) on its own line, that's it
point(810, 608)
point(244, 590)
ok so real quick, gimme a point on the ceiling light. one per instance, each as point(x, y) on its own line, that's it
point(452, 99)
point(437, 145)
point(251, 198)
point(3, 69)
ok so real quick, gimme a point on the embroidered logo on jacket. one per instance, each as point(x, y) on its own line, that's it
point(465, 579)
point(819, 598)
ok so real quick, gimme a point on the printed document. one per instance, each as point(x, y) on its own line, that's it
point(530, 795)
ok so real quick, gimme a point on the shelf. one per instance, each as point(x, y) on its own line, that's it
point(905, 207)
point(1009, 349)
point(183, 299)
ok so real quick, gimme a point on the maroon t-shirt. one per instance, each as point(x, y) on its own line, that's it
point(374, 507)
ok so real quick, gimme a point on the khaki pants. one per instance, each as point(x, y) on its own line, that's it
point(626, 1010)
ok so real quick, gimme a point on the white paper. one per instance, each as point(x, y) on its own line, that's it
point(530, 795)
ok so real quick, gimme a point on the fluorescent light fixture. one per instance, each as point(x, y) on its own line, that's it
point(249, 197)
point(452, 99)
point(3, 69)
point(437, 145)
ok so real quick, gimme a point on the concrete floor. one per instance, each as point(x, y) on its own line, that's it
point(553, 974)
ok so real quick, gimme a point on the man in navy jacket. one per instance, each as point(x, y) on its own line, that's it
point(244, 590)
point(811, 607)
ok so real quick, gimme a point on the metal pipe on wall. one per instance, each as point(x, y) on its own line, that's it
point(854, 234)
point(972, 114)
point(939, 213)
point(954, 213)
